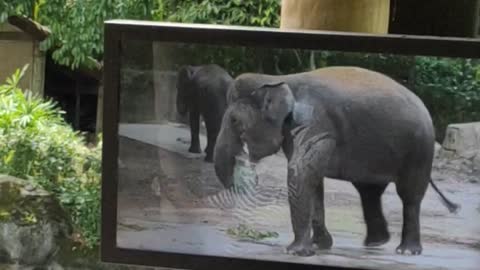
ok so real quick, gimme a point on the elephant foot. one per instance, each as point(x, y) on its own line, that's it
point(323, 241)
point(208, 158)
point(409, 248)
point(303, 249)
point(194, 149)
point(376, 239)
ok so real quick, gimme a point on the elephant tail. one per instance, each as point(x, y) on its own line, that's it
point(452, 207)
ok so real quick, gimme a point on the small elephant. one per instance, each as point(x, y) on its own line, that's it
point(202, 90)
point(339, 122)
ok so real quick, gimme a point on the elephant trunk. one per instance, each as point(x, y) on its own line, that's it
point(227, 147)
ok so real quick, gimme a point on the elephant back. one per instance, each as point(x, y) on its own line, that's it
point(356, 81)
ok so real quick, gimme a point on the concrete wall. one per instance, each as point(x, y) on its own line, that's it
point(165, 96)
point(148, 97)
point(16, 50)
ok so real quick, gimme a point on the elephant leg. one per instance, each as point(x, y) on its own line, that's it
point(411, 188)
point(377, 229)
point(212, 133)
point(306, 169)
point(211, 145)
point(300, 199)
point(321, 237)
point(194, 132)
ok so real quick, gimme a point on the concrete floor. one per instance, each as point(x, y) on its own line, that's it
point(170, 200)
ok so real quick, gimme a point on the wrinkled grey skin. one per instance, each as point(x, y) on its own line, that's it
point(201, 90)
point(339, 122)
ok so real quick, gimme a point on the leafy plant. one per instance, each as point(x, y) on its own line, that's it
point(36, 144)
point(243, 232)
point(18, 7)
point(450, 89)
point(265, 13)
point(77, 25)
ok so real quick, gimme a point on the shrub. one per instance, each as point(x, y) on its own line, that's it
point(37, 144)
point(450, 89)
point(264, 13)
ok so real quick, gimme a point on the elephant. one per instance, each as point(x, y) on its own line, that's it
point(201, 91)
point(340, 122)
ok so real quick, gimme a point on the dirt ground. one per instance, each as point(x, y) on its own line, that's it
point(170, 200)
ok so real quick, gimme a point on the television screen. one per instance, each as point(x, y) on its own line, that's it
point(321, 157)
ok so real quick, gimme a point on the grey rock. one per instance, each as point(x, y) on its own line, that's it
point(43, 243)
point(463, 139)
point(458, 158)
point(32, 224)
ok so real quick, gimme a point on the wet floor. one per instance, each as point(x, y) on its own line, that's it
point(170, 200)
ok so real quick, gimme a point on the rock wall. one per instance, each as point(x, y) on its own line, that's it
point(458, 157)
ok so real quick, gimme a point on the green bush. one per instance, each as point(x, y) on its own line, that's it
point(450, 89)
point(36, 144)
point(264, 13)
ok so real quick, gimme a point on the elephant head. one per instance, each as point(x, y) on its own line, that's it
point(253, 123)
point(184, 88)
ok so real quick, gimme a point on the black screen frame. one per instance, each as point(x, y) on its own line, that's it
point(117, 31)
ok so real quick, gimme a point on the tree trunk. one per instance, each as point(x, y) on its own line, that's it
point(368, 16)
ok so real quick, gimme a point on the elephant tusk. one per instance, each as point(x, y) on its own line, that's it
point(245, 149)
point(252, 162)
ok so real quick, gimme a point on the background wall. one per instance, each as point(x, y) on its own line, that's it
point(17, 49)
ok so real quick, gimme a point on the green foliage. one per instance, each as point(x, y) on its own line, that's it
point(36, 144)
point(265, 13)
point(450, 88)
point(243, 232)
point(77, 25)
point(17, 7)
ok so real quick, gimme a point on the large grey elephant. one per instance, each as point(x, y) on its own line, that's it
point(340, 122)
point(202, 91)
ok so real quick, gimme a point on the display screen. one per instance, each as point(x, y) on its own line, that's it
point(348, 159)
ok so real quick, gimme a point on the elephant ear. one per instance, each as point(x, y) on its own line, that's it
point(277, 101)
